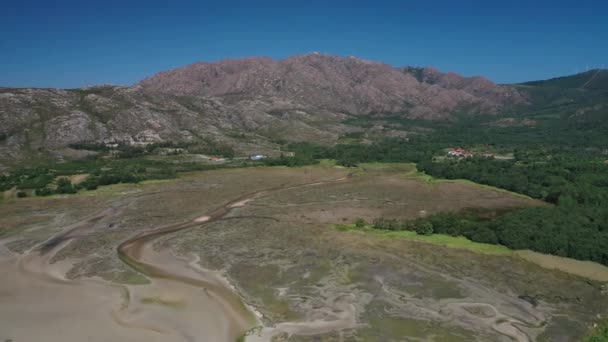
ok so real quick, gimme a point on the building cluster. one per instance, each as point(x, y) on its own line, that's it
point(462, 153)
point(459, 153)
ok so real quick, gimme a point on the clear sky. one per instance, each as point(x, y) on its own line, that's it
point(68, 43)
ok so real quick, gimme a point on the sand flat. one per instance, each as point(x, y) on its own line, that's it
point(37, 307)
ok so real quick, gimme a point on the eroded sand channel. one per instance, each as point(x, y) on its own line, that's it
point(182, 302)
point(38, 304)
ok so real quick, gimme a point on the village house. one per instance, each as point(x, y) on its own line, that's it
point(459, 153)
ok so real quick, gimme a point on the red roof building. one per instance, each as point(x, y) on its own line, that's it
point(459, 152)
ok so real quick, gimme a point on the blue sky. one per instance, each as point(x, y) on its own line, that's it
point(75, 43)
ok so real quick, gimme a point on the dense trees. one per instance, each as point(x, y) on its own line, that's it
point(300, 159)
point(53, 178)
point(386, 150)
point(548, 230)
point(563, 163)
point(576, 227)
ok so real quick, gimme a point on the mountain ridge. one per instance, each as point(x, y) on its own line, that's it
point(250, 103)
point(344, 84)
point(595, 79)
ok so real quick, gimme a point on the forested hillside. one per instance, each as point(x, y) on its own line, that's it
point(562, 159)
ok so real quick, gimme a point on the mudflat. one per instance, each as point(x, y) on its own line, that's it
point(220, 255)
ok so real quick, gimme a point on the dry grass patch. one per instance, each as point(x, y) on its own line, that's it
point(586, 269)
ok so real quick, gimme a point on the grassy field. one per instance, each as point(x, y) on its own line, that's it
point(459, 242)
point(409, 171)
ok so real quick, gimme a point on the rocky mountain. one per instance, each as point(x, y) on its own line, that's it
point(251, 103)
point(345, 85)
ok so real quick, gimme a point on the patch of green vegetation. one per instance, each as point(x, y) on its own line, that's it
point(351, 138)
point(125, 277)
point(561, 162)
point(360, 223)
point(175, 304)
point(392, 328)
point(261, 281)
point(213, 148)
point(298, 160)
point(51, 178)
point(406, 168)
point(327, 163)
point(599, 334)
point(459, 242)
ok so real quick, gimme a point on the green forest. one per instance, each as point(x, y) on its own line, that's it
point(562, 164)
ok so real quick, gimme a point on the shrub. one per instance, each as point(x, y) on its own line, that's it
point(44, 192)
point(91, 183)
point(21, 194)
point(390, 224)
point(424, 228)
point(64, 186)
point(91, 146)
point(360, 223)
point(34, 179)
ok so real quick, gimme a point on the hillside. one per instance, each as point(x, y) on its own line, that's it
point(345, 85)
point(250, 103)
point(256, 104)
point(576, 102)
point(37, 123)
point(596, 79)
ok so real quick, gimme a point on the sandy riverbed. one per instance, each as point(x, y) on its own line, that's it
point(37, 303)
point(183, 302)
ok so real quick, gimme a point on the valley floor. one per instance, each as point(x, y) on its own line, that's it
point(222, 255)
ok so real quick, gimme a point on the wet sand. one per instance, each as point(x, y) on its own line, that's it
point(38, 304)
